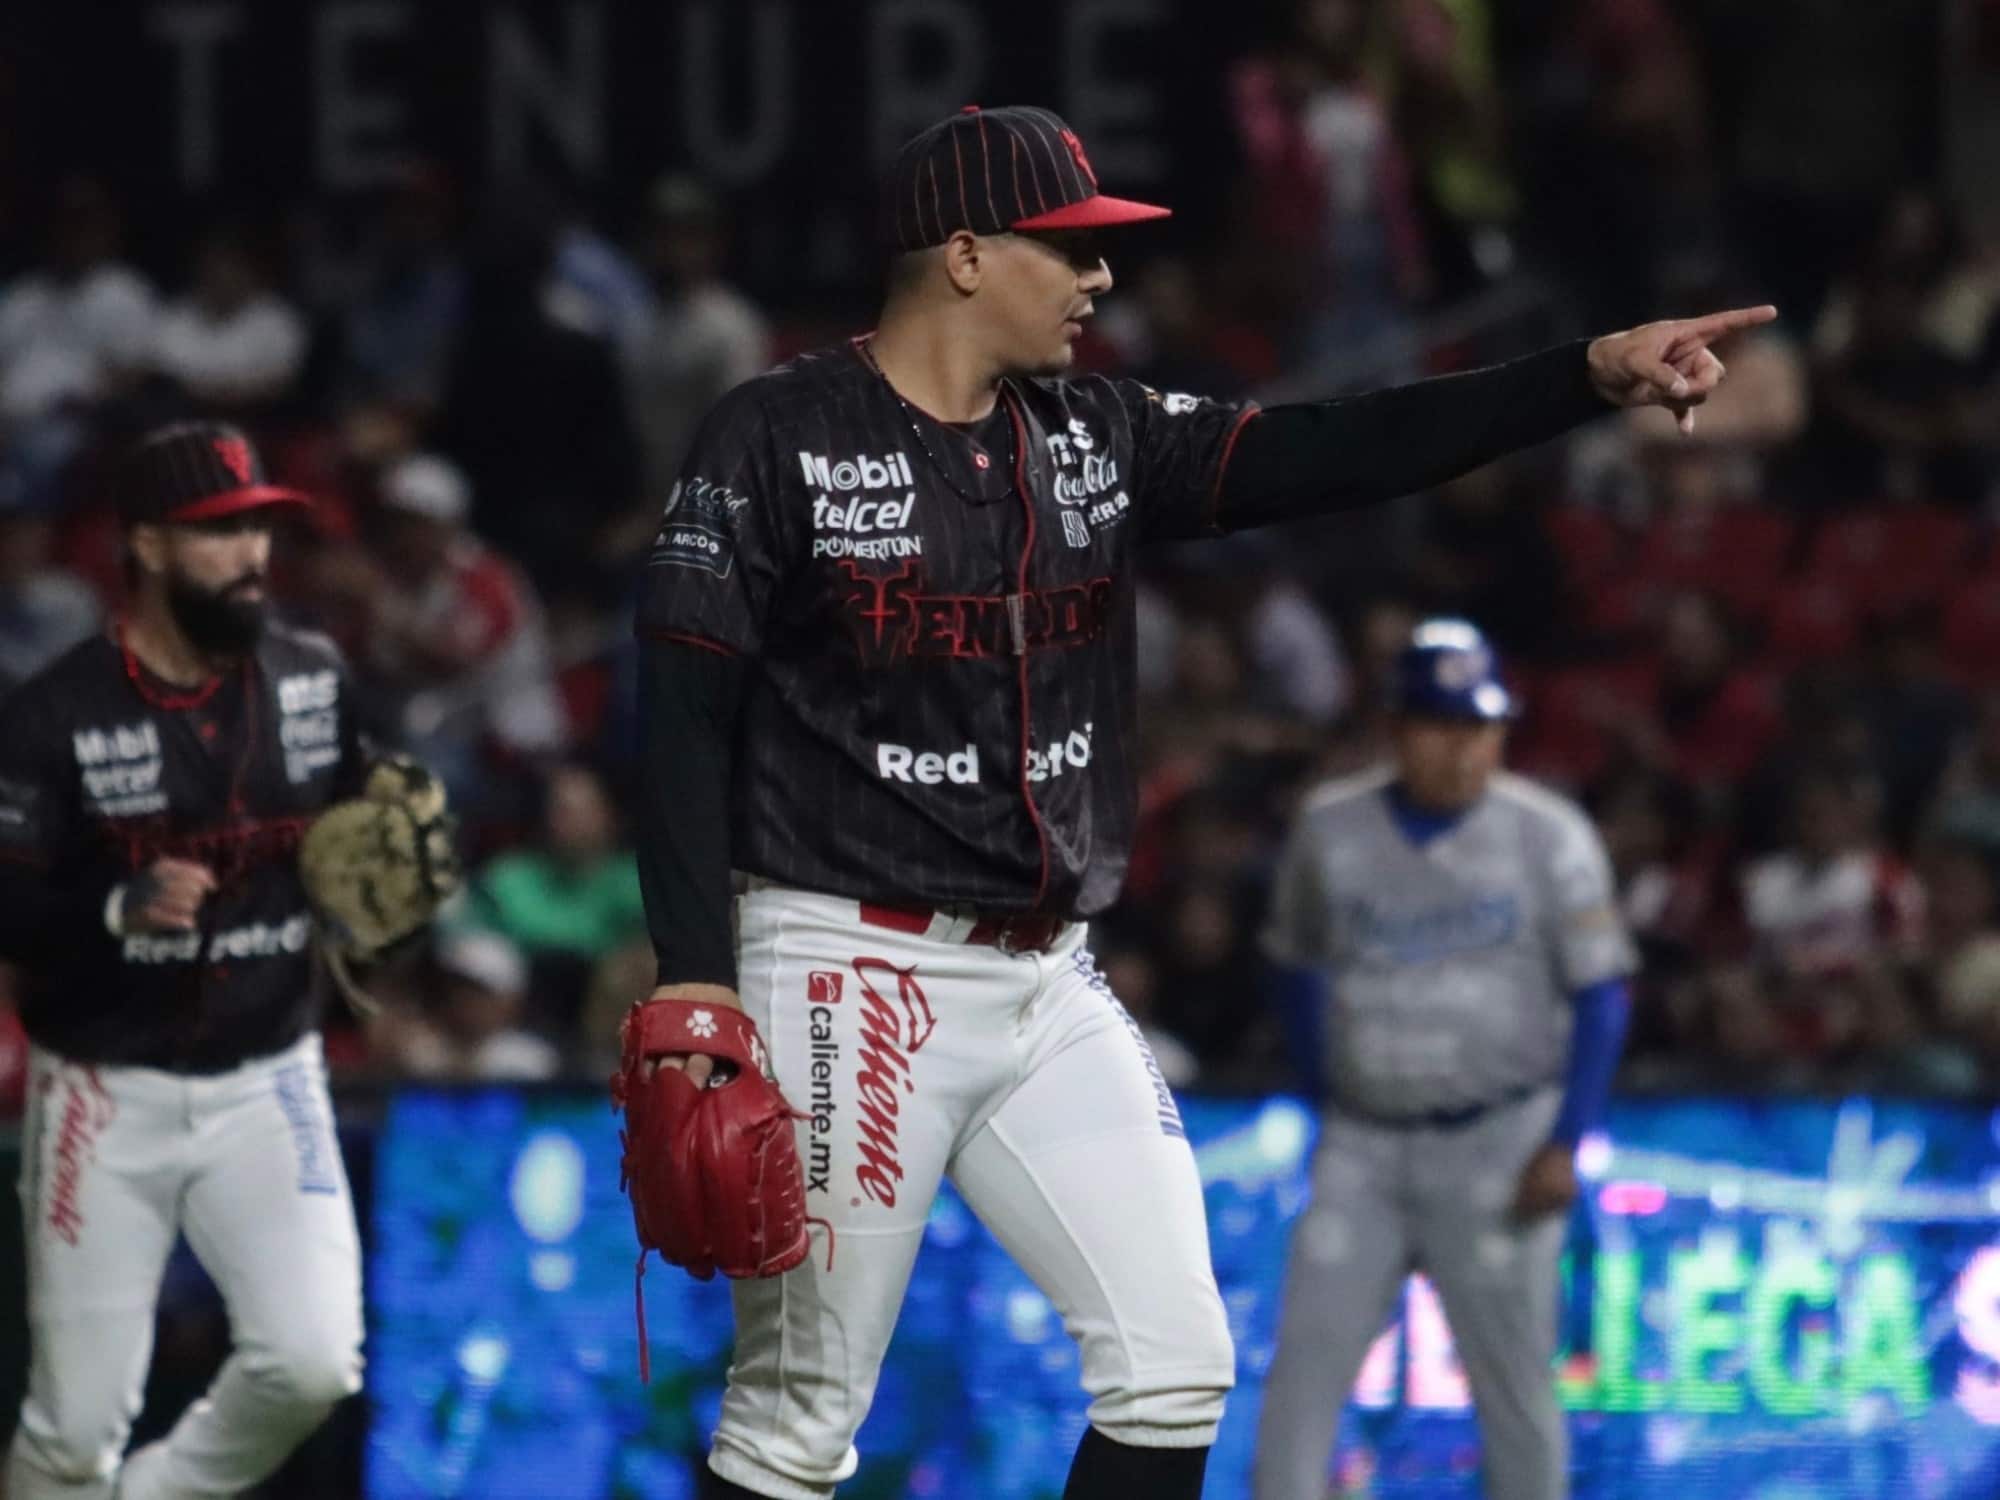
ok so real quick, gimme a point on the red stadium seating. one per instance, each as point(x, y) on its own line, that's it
point(1890, 560)
point(1969, 640)
point(1564, 735)
point(1738, 553)
point(1810, 619)
point(1589, 542)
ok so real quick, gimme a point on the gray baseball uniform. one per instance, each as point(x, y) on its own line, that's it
point(1452, 960)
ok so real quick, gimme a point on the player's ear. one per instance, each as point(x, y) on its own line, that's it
point(964, 261)
point(147, 546)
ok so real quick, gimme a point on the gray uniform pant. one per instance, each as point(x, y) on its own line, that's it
point(1388, 1201)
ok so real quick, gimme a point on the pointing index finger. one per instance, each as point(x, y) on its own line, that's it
point(1702, 331)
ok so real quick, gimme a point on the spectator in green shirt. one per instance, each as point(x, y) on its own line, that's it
point(569, 901)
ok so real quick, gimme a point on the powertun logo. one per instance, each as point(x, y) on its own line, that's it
point(847, 520)
point(891, 1032)
point(121, 767)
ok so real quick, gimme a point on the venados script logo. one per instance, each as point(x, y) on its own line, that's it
point(891, 619)
point(891, 1033)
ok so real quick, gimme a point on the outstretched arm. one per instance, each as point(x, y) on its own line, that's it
point(1293, 462)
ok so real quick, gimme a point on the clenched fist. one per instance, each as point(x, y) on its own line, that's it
point(166, 896)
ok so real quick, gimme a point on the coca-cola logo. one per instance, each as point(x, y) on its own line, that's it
point(891, 1032)
point(1095, 473)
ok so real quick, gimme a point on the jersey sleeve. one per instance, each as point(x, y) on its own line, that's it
point(1180, 447)
point(1589, 934)
point(723, 546)
point(35, 820)
point(52, 890)
point(358, 750)
point(1298, 925)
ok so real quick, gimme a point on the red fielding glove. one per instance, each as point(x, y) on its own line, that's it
point(713, 1173)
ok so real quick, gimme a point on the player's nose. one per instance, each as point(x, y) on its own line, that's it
point(1096, 281)
point(252, 551)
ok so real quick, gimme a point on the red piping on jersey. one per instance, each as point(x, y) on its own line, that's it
point(135, 673)
point(1222, 468)
point(1021, 588)
point(689, 640)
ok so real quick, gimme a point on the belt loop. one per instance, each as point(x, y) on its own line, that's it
point(949, 926)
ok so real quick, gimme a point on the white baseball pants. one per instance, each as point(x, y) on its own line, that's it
point(918, 1055)
point(115, 1162)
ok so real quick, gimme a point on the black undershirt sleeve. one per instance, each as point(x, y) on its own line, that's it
point(689, 695)
point(1297, 461)
point(51, 892)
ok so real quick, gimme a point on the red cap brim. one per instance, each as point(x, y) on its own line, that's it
point(1094, 213)
point(229, 502)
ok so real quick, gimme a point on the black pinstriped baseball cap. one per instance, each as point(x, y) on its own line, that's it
point(995, 170)
point(195, 471)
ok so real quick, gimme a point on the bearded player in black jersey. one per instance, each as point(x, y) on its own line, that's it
point(154, 785)
point(889, 684)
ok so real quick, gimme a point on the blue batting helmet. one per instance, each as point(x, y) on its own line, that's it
point(1448, 671)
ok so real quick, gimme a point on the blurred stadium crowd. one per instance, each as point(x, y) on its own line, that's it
point(1767, 658)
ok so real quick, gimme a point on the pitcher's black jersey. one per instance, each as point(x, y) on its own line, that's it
point(943, 623)
point(103, 770)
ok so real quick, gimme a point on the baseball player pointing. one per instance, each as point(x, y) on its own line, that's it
point(1464, 919)
point(888, 682)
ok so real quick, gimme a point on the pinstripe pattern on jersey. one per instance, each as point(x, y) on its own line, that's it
point(905, 777)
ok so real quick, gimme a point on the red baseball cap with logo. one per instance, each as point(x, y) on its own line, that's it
point(996, 170)
point(196, 471)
